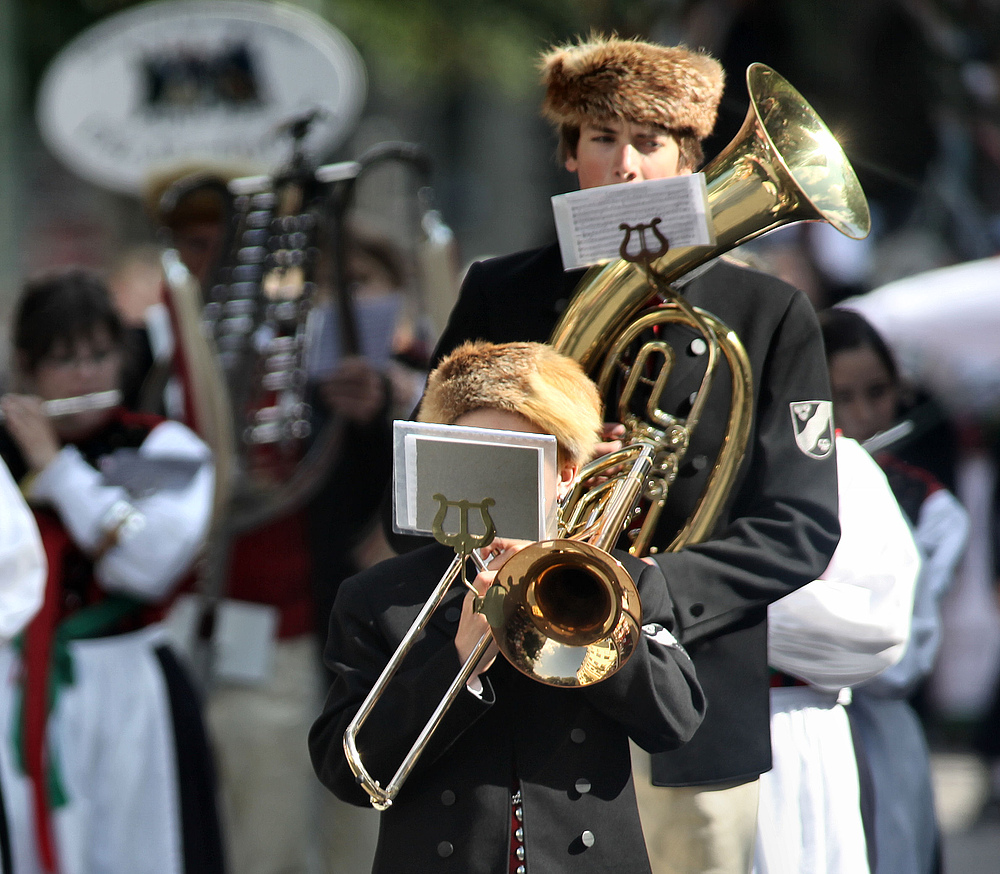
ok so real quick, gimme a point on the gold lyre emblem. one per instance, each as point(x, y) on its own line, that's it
point(463, 541)
point(645, 255)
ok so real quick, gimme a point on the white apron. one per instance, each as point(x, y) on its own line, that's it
point(112, 738)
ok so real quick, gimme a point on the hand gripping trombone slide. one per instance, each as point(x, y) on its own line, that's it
point(564, 612)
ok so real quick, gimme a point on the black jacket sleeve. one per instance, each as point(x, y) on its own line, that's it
point(655, 696)
point(467, 320)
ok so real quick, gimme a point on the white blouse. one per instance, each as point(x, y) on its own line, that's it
point(157, 532)
point(854, 621)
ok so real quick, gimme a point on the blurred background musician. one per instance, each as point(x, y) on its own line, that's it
point(868, 399)
point(832, 634)
point(106, 756)
point(289, 564)
point(22, 562)
point(215, 93)
point(22, 582)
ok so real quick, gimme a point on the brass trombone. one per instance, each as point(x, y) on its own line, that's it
point(564, 612)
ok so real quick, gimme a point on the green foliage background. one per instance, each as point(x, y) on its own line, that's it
point(412, 44)
point(440, 43)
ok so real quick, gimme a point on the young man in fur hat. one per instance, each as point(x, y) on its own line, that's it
point(627, 111)
point(519, 775)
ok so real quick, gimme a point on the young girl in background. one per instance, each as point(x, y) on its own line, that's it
point(867, 390)
point(103, 757)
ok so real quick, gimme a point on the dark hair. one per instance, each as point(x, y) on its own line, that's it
point(846, 330)
point(381, 250)
point(690, 157)
point(190, 199)
point(68, 305)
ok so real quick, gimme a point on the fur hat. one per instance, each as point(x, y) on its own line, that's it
point(547, 388)
point(640, 82)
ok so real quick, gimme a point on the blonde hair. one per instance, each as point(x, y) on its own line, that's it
point(549, 389)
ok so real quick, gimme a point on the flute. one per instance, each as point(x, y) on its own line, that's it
point(98, 400)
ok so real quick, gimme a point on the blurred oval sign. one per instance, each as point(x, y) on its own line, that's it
point(187, 82)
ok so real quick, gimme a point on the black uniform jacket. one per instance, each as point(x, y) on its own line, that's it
point(567, 747)
point(778, 528)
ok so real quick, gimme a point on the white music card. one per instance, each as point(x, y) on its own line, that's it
point(514, 470)
point(588, 222)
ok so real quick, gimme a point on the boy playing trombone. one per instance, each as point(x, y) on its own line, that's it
point(518, 774)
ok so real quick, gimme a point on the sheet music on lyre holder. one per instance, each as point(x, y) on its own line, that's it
point(588, 222)
point(470, 464)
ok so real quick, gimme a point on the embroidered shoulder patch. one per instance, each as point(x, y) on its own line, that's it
point(812, 422)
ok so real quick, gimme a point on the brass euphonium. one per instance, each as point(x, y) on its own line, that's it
point(564, 611)
point(783, 166)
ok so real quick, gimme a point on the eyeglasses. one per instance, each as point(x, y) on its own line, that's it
point(79, 358)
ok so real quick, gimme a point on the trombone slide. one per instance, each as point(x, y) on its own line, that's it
point(382, 798)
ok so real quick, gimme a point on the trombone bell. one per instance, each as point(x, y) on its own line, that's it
point(571, 613)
